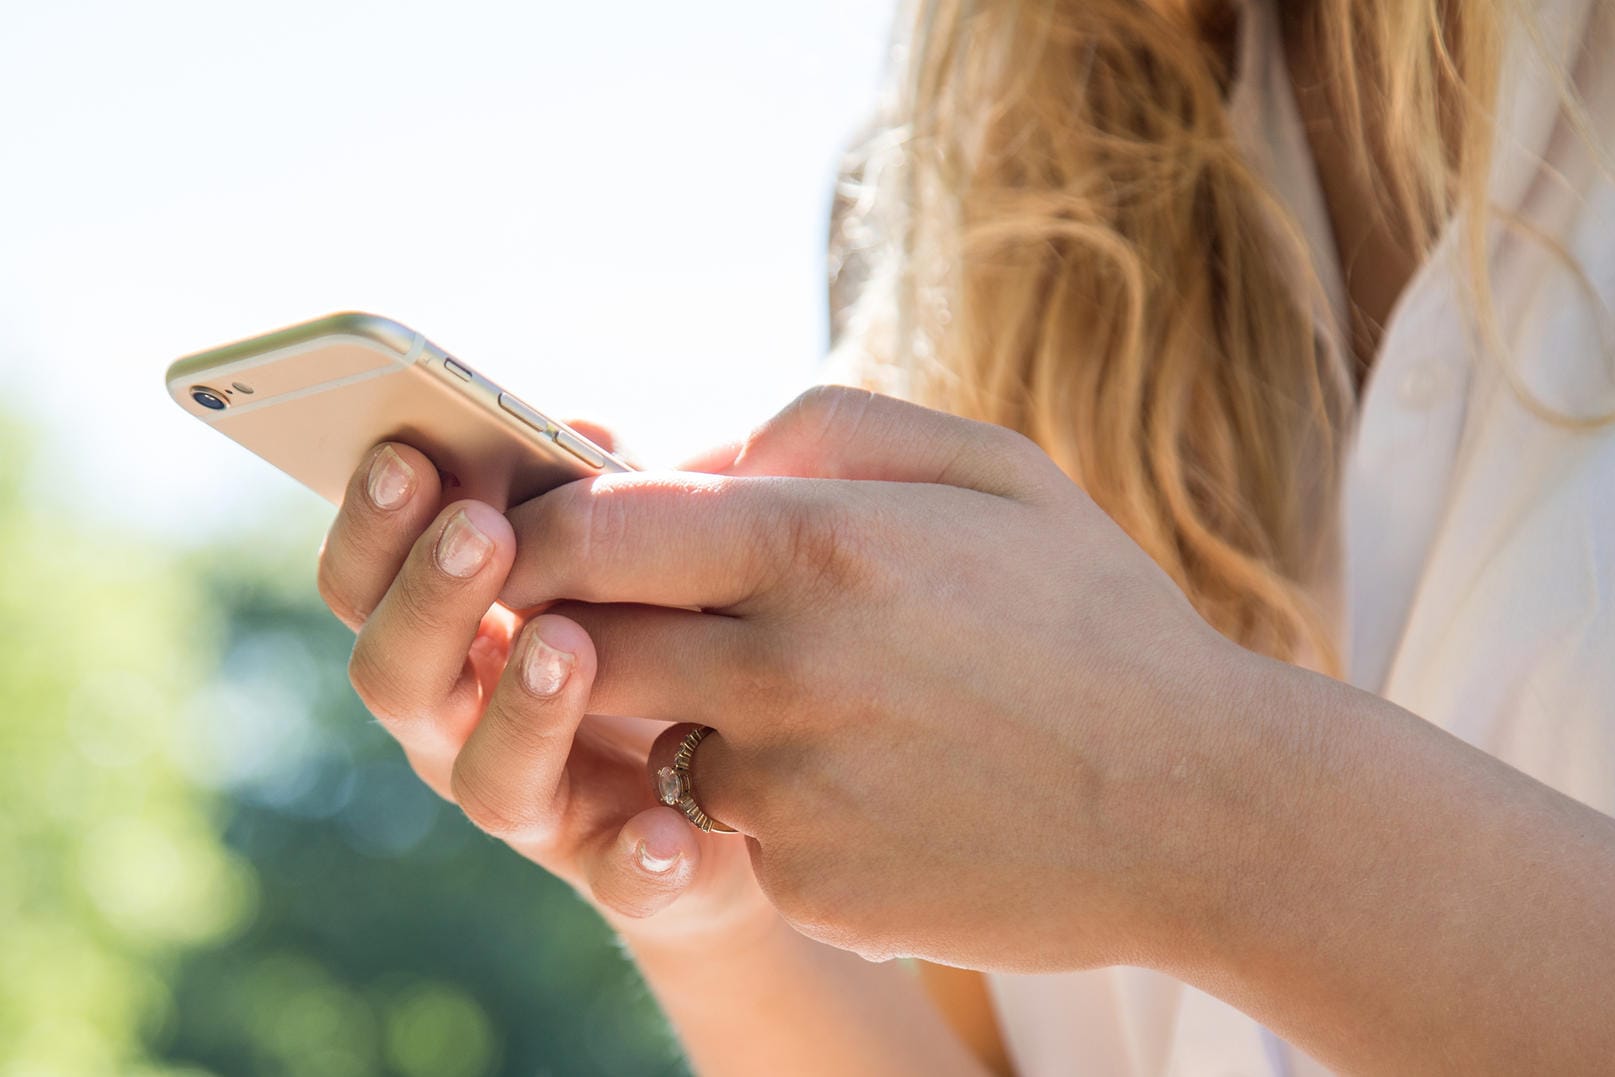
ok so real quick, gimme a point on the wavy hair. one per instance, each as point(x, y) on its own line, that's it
point(1054, 230)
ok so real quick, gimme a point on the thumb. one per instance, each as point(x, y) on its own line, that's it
point(836, 432)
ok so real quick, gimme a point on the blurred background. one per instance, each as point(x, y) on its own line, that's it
point(211, 860)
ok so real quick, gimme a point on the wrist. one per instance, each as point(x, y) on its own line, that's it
point(1221, 823)
point(1269, 823)
point(1378, 892)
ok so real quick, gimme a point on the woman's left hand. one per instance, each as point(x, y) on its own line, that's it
point(960, 715)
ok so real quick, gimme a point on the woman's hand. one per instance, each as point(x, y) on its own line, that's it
point(957, 708)
point(491, 711)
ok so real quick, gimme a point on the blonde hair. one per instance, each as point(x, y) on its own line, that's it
point(1062, 237)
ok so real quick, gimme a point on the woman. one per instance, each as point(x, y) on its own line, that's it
point(1041, 706)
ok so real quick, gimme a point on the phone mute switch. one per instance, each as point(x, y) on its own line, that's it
point(526, 414)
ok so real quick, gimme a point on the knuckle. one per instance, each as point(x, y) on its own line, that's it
point(496, 809)
point(820, 929)
point(826, 546)
point(556, 542)
point(601, 522)
point(332, 594)
point(818, 402)
point(789, 884)
point(772, 674)
point(1013, 443)
point(816, 415)
point(1025, 457)
point(433, 777)
point(374, 686)
point(826, 402)
point(816, 907)
point(522, 732)
point(776, 879)
point(343, 563)
point(823, 410)
point(355, 551)
point(418, 602)
point(1028, 453)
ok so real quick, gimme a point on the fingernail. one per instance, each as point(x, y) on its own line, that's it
point(390, 480)
point(462, 549)
point(545, 668)
point(657, 865)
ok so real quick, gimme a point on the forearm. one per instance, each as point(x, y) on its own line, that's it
point(769, 1000)
point(1394, 900)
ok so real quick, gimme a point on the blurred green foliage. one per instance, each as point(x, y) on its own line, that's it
point(212, 860)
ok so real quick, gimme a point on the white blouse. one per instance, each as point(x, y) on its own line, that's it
point(1478, 574)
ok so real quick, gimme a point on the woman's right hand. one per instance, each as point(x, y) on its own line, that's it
point(490, 711)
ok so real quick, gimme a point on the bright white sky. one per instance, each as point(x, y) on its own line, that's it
point(617, 210)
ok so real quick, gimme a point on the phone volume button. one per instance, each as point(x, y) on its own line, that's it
point(526, 414)
point(579, 448)
point(461, 372)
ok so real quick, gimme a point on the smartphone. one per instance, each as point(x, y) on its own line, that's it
point(313, 398)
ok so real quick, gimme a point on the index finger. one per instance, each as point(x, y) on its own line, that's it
point(663, 539)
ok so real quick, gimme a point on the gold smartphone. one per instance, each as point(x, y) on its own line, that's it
point(313, 398)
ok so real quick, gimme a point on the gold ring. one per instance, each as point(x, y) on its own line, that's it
point(673, 785)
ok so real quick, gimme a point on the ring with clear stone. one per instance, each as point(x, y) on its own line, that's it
point(673, 785)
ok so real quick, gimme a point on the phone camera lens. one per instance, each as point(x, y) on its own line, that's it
point(208, 398)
